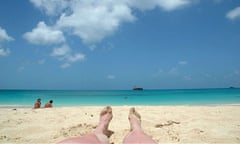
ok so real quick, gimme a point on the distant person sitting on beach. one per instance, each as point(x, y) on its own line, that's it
point(101, 134)
point(49, 104)
point(37, 103)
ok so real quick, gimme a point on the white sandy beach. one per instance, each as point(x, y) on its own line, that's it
point(166, 124)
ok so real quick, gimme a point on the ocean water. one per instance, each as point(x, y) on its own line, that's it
point(62, 98)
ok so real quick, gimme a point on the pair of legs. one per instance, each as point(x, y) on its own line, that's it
point(101, 133)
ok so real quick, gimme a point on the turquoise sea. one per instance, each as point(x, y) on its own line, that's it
point(62, 98)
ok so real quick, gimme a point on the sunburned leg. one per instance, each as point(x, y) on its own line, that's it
point(99, 135)
point(136, 134)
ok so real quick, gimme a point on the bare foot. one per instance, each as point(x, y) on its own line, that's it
point(136, 135)
point(99, 135)
point(105, 118)
point(134, 119)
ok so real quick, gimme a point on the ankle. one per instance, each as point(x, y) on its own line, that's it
point(136, 127)
point(102, 127)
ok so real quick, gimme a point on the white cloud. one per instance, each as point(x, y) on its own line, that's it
point(65, 65)
point(75, 57)
point(182, 62)
point(167, 5)
point(51, 7)
point(61, 51)
point(4, 36)
point(110, 77)
point(108, 46)
point(233, 14)
point(176, 70)
point(4, 52)
point(44, 35)
point(92, 47)
point(93, 20)
point(65, 54)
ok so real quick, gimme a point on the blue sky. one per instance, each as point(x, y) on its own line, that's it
point(98, 45)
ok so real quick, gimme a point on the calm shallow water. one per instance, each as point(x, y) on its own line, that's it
point(10, 98)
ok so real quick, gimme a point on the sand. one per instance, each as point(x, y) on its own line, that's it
point(165, 124)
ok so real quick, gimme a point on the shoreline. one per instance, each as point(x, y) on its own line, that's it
point(74, 106)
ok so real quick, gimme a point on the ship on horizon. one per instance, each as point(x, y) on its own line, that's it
point(137, 88)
